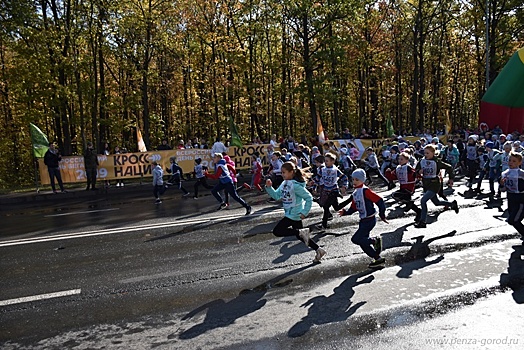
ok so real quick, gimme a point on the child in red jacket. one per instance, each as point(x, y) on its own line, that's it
point(256, 169)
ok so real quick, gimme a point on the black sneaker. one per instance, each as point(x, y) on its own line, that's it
point(420, 224)
point(455, 206)
point(222, 206)
point(377, 263)
point(248, 210)
point(417, 217)
point(377, 245)
point(391, 185)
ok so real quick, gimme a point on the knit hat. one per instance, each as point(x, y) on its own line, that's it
point(359, 174)
point(489, 144)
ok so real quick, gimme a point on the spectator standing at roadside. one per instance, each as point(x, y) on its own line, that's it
point(51, 158)
point(346, 135)
point(218, 147)
point(106, 152)
point(91, 165)
point(119, 183)
point(164, 146)
point(273, 140)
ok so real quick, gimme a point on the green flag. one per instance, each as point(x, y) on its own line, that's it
point(39, 141)
point(235, 138)
point(389, 127)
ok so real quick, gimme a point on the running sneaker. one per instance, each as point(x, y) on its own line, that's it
point(303, 233)
point(455, 206)
point(186, 194)
point(248, 210)
point(222, 206)
point(158, 201)
point(320, 253)
point(420, 224)
point(194, 197)
point(246, 186)
point(377, 263)
point(377, 245)
point(322, 227)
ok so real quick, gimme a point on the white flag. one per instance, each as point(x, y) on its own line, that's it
point(141, 144)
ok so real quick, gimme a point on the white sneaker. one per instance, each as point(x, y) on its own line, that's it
point(320, 253)
point(304, 234)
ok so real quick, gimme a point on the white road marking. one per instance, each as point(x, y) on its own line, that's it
point(81, 212)
point(118, 230)
point(40, 297)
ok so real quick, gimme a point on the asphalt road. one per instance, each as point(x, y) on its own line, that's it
point(106, 271)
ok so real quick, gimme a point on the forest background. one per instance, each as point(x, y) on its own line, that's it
point(95, 70)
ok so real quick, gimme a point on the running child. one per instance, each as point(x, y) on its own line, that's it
point(372, 167)
point(470, 159)
point(328, 179)
point(201, 179)
point(407, 177)
point(492, 167)
point(430, 167)
point(158, 182)
point(176, 176)
point(347, 164)
point(512, 181)
point(234, 176)
point(256, 169)
point(451, 154)
point(363, 202)
point(274, 169)
point(296, 201)
point(225, 183)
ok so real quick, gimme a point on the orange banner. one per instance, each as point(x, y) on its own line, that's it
point(136, 165)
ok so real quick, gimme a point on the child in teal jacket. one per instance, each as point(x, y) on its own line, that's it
point(296, 201)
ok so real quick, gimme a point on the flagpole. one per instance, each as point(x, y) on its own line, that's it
point(35, 162)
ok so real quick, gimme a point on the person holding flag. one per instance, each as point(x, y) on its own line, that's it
point(51, 158)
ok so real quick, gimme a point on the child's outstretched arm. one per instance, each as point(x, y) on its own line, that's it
point(379, 201)
point(275, 194)
point(352, 209)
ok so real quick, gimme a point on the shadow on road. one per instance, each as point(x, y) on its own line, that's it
point(222, 313)
point(415, 258)
point(334, 308)
point(394, 238)
point(292, 247)
point(514, 279)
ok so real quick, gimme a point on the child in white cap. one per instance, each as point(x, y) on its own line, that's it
point(363, 201)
